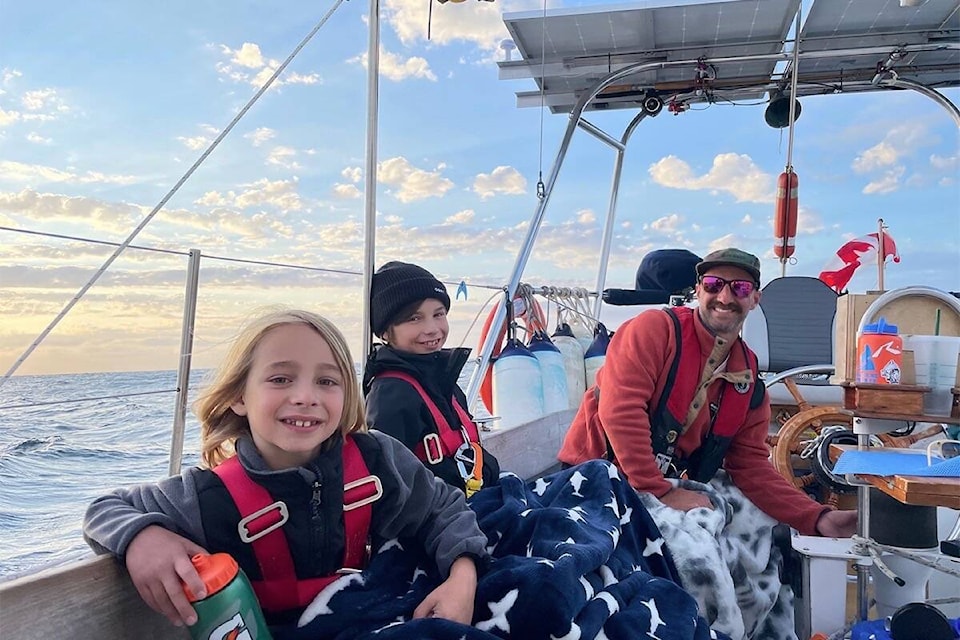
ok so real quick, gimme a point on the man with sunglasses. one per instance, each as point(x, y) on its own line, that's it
point(677, 399)
point(715, 412)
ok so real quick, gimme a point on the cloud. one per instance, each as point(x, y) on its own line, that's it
point(36, 138)
point(283, 157)
point(108, 216)
point(33, 174)
point(479, 23)
point(396, 68)
point(248, 65)
point(728, 240)
point(747, 219)
point(732, 173)
point(260, 135)
point(280, 194)
point(667, 224)
point(886, 183)
point(7, 76)
point(353, 174)
point(8, 117)
point(808, 222)
point(248, 55)
point(346, 191)
point(506, 180)
point(586, 216)
point(461, 217)
point(43, 99)
point(941, 163)
point(412, 183)
point(196, 143)
point(876, 157)
point(887, 157)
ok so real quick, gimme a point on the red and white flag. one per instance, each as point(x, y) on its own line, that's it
point(852, 254)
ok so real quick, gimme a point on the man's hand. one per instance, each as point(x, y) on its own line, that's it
point(452, 600)
point(157, 560)
point(837, 524)
point(685, 499)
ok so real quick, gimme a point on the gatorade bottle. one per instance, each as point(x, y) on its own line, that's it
point(879, 354)
point(230, 609)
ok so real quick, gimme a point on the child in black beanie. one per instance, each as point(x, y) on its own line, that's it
point(411, 381)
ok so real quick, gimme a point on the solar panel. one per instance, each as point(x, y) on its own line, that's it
point(726, 49)
point(851, 24)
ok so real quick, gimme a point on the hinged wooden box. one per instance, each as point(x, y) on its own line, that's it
point(892, 399)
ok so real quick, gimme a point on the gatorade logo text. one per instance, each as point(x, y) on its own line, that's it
point(233, 629)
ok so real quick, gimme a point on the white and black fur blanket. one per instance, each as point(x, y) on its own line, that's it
point(575, 556)
point(727, 561)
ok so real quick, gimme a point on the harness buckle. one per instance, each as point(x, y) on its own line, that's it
point(243, 526)
point(463, 459)
point(433, 448)
point(372, 480)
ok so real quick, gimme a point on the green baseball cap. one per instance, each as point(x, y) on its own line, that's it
point(731, 257)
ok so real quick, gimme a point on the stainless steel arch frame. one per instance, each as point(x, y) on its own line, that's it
point(576, 120)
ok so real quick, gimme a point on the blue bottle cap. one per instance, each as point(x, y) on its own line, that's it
point(881, 326)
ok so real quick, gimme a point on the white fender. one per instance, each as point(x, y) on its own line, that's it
point(517, 390)
point(553, 377)
point(596, 355)
point(572, 352)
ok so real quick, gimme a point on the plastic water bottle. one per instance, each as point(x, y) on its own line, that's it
point(879, 354)
point(230, 609)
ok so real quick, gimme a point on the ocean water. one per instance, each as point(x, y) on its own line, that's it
point(57, 454)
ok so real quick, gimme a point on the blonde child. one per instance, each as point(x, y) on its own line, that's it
point(284, 418)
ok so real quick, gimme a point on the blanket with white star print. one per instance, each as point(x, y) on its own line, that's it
point(575, 556)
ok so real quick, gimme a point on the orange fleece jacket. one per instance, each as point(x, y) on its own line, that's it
point(631, 382)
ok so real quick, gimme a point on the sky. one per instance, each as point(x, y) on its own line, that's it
point(105, 105)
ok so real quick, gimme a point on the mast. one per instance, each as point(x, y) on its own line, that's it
point(881, 255)
point(370, 175)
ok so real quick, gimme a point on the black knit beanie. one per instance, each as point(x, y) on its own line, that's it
point(397, 284)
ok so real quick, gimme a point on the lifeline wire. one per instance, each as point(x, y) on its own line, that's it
point(170, 194)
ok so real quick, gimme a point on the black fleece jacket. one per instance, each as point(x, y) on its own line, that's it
point(395, 408)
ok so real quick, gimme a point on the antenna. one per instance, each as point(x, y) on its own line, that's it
point(507, 46)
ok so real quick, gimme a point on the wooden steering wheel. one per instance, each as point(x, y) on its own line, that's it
point(800, 454)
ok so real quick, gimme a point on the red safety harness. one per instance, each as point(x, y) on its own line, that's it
point(446, 441)
point(262, 518)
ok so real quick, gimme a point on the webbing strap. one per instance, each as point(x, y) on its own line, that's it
point(261, 524)
point(450, 439)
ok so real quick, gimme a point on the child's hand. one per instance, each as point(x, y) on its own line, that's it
point(452, 600)
point(157, 560)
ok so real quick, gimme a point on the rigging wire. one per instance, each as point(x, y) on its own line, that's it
point(541, 188)
point(88, 399)
point(163, 201)
point(209, 256)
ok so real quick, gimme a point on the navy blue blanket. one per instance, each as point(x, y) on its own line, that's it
point(575, 556)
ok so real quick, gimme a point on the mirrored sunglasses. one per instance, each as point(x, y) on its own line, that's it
point(739, 288)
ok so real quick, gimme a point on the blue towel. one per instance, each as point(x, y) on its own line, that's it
point(575, 555)
point(887, 463)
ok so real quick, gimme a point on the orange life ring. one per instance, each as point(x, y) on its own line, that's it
point(535, 322)
point(785, 217)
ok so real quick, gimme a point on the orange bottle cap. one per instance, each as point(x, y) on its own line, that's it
point(215, 570)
